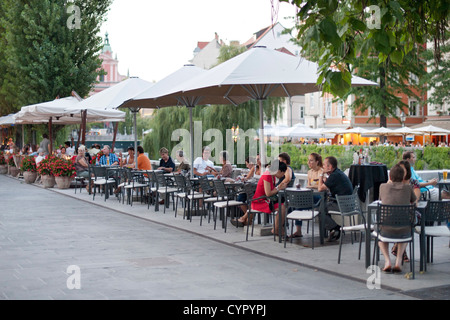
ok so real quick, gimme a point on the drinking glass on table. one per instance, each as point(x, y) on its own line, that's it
point(444, 174)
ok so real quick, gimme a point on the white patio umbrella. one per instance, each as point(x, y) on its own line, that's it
point(382, 131)
point(169, 92)
point(300, 131)
point(110, 99)
point(8, 120)
point(260, 73)
point(55, 112)
point(432, 130)
point(355, 130)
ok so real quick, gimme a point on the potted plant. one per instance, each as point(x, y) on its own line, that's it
point(45, 170)
point(64, 171)
point(13, 170)
point(3, 164)
point(29, 169)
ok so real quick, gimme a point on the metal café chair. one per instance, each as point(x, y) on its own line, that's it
point(433, 224)
point(227, 204)
point(350, 208)
point(302, 203)
point(101, 179)
point(392, 217)
point(164, 189)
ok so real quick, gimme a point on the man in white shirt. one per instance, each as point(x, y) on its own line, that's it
point(202, 165)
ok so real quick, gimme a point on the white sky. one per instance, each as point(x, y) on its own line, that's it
point(153, 38)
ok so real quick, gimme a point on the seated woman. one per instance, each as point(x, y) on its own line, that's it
point(227, 169)
point(183, 166)
point(81, 163)
point(315, 165)
point(395, 192)
point(266, 187)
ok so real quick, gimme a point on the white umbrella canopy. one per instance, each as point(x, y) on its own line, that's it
point(45, 110)
point(8, 120)
point(300, 131)
point(382, 131)
point(357, 130)
point(432, 130)
point(404, 131)
point(260, 73)
point(169, 92)
point(114, 96)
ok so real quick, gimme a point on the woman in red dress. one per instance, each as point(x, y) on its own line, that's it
point(266, 187)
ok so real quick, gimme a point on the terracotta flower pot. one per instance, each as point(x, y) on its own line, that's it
point(14, 171)
point(29, 177)
point(48, 181)
point(63, 182)
point(3, 168)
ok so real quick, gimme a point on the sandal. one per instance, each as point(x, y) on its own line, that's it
point(295, 235)
point(394, 251)
point(387, 270)
point(405, 257)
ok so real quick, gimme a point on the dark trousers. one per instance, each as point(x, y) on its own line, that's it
point(330, 224)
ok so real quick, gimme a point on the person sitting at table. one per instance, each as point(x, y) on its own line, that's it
point(62, 154)
point(184, 166)
point(166, 163)
point(242, 197)
point(227, 169)
point(337, 183)
point(266, 187)
point(108, 158)
point(202, 165)
point(40, 156)
point(425, 186)
point(129, 160)
point(81, 163)
point(315, 170)
point(395, 192)
point(143, 162)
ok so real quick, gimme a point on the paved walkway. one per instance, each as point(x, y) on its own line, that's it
point(316, 265)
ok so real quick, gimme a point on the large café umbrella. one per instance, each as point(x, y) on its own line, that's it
point(260, 73)
point(109, 100)
point(432, 130)
point(169, 92)
point(55, 112)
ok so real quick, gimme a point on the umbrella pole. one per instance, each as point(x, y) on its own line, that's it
point(116, 126)
point(262, 150)
point(50, 133)
point(135, 111)
point(191, 130)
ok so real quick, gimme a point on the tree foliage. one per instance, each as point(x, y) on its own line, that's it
point(43, 54)
point(348, 30)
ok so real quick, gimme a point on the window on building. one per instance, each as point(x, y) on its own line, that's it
point(340, 109)
point(413, 79)
point(102, 78)
point(414, 108)
point(311, 101)
point(302, 111)
point(328, 108)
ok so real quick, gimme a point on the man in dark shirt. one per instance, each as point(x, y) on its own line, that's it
point(337, 183)
point(166, 163)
